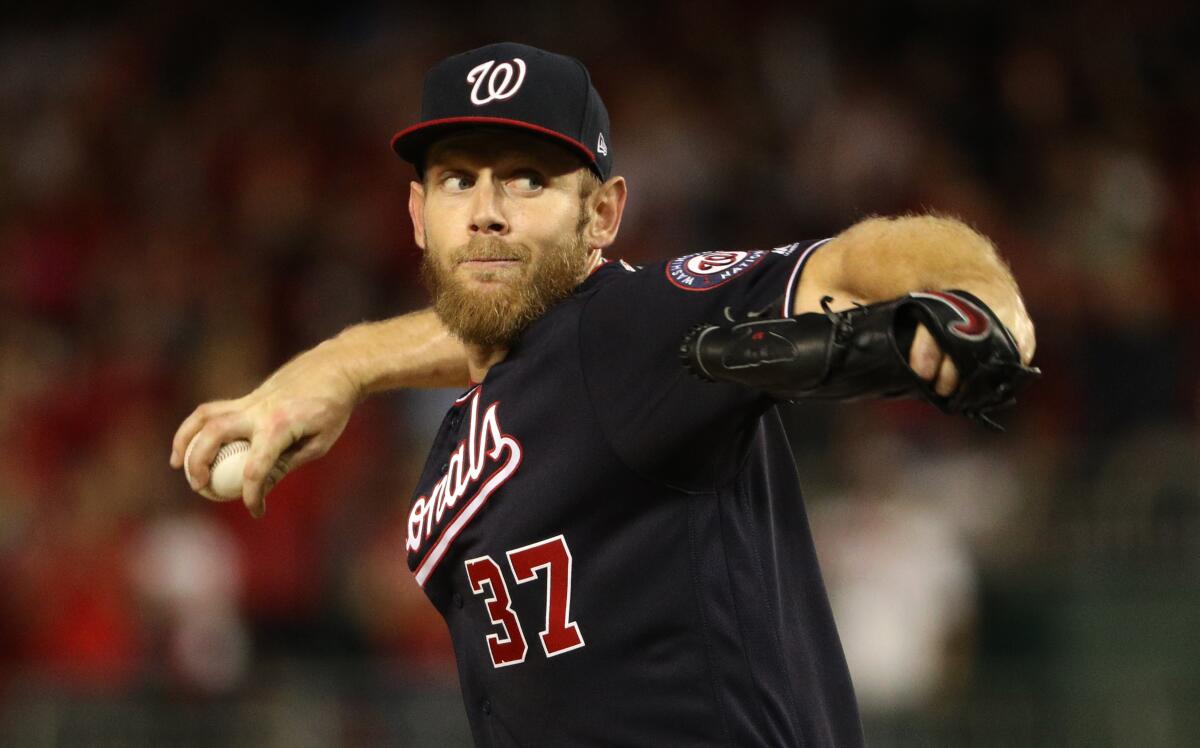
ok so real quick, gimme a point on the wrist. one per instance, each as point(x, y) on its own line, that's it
point(344, 356)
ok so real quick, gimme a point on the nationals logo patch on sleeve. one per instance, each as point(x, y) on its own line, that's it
point(707, 270)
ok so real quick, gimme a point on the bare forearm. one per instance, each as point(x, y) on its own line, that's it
point(300, 410)
point(882, 258)
point(413, 350)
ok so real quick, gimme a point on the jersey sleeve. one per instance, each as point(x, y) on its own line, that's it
point(659, 419)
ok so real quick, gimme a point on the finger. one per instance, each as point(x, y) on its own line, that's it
point(947, 380)
point(257, 507)
point(204, 445)
point(322, 429)
point(254, 493)
point(308, 449)
point(267, 449)
point(924, 357)
point(192, 424)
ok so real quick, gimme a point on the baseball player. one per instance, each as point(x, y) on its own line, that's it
point(618, 545)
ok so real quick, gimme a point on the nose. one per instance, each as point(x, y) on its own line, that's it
point(487, 210)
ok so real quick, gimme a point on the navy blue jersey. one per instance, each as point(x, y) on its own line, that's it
point(620, 550)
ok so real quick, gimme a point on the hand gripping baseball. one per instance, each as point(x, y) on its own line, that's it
point(292, 418)
point(863, 352)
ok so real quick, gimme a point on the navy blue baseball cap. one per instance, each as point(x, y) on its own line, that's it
point(512, 86)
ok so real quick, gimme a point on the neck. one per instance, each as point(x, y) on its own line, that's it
point(481, 358)
point(595, 260)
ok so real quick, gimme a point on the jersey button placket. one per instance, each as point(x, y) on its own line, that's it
point(487, 707)
point(457, 599)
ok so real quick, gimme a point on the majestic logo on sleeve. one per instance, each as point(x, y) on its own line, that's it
point(973, 324)
point(480, 464)
point(707, 270)
point(492, 82)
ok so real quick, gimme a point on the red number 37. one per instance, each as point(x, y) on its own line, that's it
point(527, 563)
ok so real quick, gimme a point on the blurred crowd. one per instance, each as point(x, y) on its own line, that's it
point(189, 197)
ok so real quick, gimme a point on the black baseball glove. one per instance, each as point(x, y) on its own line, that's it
point(863, 352)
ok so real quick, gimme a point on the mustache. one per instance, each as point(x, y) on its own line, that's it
point(490, 248)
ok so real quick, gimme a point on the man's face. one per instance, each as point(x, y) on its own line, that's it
point(503, 218)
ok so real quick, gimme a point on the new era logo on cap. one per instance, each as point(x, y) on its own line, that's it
point(514, 86)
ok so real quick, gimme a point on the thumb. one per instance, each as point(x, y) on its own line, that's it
point(924, 356)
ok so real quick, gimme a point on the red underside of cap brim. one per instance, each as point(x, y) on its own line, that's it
point(410, 143)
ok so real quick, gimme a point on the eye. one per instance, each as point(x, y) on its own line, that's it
point(527, 182)
point(457, 183)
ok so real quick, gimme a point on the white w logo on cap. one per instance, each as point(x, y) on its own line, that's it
point(502, 80)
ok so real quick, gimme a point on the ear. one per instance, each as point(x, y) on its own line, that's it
point(416, 211)
point(605, 206)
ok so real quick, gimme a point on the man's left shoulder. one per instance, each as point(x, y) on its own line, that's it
point(706, 271)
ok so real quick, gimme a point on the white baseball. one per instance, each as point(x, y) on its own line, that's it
point(225, 473)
